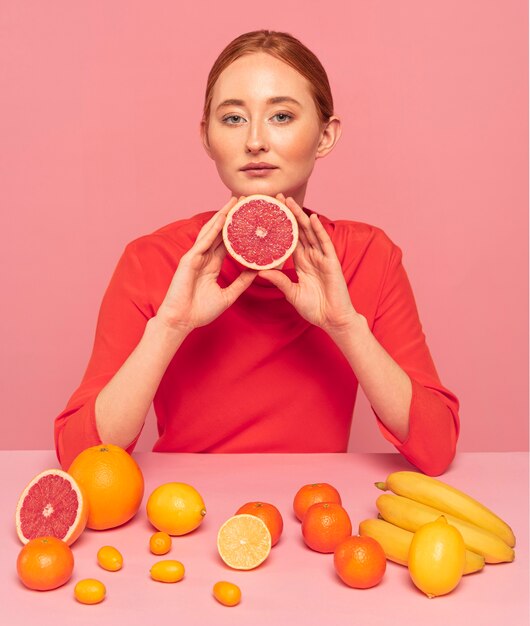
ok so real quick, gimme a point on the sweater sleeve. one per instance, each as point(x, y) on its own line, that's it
point(121, 322)
point(434, 422)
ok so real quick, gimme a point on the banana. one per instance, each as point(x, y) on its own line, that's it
point(410, 515)
point(447, 499)
point(395, 542)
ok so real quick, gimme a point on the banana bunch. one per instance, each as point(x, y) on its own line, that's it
point(418, 499)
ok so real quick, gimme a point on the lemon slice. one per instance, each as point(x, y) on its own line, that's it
point(244, 541)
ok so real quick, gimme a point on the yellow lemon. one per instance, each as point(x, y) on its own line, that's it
point(175, 508)
point(167, 571)
point(110, 559)
point(89, 591)
point(437, 557)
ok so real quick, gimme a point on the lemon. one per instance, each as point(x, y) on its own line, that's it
point(175, 508)
point(437, 557)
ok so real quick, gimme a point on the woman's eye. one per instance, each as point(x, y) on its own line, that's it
point(283, 117)
point(233, 119)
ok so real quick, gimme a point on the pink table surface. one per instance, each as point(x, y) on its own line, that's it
point(295, 584)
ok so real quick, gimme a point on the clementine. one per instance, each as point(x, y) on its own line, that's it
point(45, 563)
point(360, 562)
point(311, 494)
point(111, 481)
point(269, 514)
point(325, 525)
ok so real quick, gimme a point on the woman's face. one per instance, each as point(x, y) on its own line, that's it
point(262, 112)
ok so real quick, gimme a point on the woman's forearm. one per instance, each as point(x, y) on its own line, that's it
point(386, 385)
point(122, 405)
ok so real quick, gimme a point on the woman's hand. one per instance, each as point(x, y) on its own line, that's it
point(194, 297)
point(321, 295)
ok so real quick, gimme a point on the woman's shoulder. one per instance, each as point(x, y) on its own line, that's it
point(176, 237)
point(352, 235)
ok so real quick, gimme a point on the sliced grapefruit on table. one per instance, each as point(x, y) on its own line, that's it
point(52, 504)
point(244, 541)
point(260, 232)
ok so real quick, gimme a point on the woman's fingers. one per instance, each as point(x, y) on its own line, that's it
point(238, 286)
point(212, 228)
point(305, 227)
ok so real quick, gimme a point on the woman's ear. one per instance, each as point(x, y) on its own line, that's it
point(330, 135)
point(204, 138)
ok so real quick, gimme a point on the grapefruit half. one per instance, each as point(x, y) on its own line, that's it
point(52, 505)
point(260, 232)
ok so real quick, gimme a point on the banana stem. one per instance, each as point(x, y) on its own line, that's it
point(381, 486)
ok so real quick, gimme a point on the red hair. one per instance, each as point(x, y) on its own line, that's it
point(285, 47)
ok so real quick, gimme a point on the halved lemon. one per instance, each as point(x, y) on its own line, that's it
point(244, 541)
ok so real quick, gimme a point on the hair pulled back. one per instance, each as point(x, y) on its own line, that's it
point(285, 47)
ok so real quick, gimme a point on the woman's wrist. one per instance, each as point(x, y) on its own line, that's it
point(168, 335)
point(351, 331)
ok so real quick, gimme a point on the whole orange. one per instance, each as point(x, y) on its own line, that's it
point(360, 562)
point(325, 525)
point(267, 513)
point(111, 481)
point(311, 494)
point(45, 563)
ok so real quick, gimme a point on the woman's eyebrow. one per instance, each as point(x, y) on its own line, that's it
point(275, 100)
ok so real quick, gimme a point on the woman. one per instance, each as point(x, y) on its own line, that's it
point(243, 361)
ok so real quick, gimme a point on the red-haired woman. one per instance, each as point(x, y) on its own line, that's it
point(236, 360)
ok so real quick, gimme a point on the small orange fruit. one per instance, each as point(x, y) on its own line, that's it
point(89, 591)
point(111, 481)
point(45, 563)
point(110, 559)
point(160, 543)
point(227, 593)
point(175, 508)
point(269, 514)
point(360, 562)
point(325, 525)
point(311, 494)
point(244, 541)
point(169, 571)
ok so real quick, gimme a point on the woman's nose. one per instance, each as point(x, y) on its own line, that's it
point(256, 139)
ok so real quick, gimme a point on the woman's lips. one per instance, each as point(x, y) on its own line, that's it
point(259, 173)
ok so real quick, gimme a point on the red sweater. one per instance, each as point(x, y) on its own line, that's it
point(260, 378)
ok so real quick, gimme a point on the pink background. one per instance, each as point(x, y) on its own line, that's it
point(99, 117)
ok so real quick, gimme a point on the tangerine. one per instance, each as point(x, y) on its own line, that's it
point(111, 481)
point(360, 562)
point(325, 525)
point(45, 563)
point(311, 494)
point(269, 514)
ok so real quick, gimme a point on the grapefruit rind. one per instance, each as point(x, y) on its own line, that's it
point(81, 518)
point(238, 257)
point(244, 541)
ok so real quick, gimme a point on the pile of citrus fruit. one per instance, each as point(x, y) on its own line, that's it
point(438, 532)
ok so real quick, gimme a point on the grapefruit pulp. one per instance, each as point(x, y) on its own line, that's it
point(260, 232)
point(52, 504)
